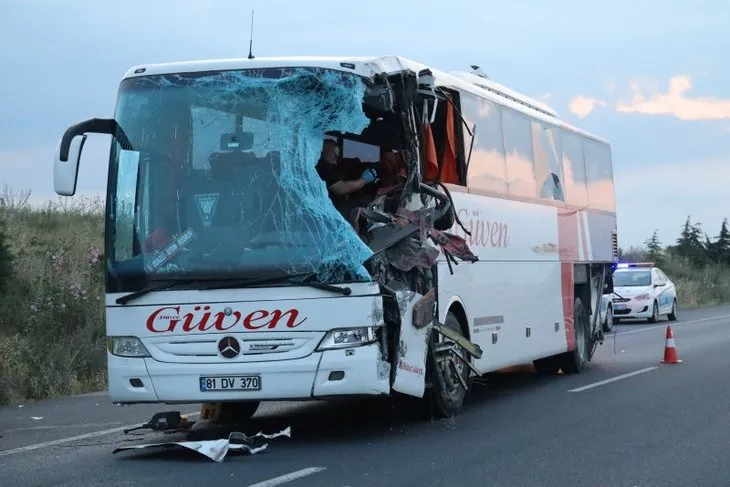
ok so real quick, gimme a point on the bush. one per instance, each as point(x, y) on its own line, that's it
point(52, 336)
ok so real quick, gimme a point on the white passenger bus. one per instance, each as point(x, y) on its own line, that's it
point(476, 231)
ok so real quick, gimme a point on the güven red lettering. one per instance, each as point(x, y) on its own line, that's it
point(170, 320)
point(293, 314)
point(161, 321)
point(484, 233)
point(247, 321)
point(220, 321)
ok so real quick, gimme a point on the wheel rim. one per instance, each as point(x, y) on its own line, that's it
point(609, 319)
point(451, 367)
point(655, 312)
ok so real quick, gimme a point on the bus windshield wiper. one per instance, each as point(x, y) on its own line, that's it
point(157, 287)
point(293, 278)
point(237, 283)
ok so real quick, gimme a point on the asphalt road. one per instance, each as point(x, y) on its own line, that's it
point(660, 425)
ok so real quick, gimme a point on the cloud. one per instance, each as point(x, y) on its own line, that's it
point(675, 102)
point(583, 106)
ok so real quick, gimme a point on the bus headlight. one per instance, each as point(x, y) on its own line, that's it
point(127, 347)
point(348, 338)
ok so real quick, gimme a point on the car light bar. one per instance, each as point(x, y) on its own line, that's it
point(626, 265)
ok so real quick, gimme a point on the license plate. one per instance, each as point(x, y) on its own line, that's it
point(230, 383)
point(619, 306)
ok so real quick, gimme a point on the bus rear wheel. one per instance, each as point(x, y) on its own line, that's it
point(447, 374)
point(575, 361)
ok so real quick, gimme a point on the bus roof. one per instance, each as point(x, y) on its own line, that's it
point(372, 65)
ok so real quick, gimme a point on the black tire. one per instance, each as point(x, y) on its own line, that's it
point(576, 361)
point(673, 314)
point(548, 365)
point(609, 321)
point(237, 412)
point(446, 394)
point(654, 313)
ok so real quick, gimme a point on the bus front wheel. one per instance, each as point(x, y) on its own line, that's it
point(447, 373)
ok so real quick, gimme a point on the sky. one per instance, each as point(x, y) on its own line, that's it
point(652, 77)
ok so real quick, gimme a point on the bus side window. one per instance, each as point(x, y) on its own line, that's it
point(548, 171)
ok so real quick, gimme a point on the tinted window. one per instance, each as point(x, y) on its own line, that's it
point(548, 170)
point(518, 150)
point(574, 170)
point(600, 175)
point(487, 169)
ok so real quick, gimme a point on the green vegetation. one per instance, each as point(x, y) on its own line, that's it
point(52, 292)
point(52, 339)
point(699, 265)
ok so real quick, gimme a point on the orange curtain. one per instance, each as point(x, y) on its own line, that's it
point(428, 155)
point(448, 172)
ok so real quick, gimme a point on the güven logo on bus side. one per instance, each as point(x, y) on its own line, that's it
point(168, 319)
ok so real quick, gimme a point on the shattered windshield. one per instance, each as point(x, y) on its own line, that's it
point(219, 178)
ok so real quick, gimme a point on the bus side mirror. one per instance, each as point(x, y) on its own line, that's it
point(65, 173)
point(68, 151)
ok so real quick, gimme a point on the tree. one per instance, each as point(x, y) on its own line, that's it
point(654, 249)
point(721, 246)
point(691, 244)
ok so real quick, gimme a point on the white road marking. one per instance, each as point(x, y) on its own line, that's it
point(674, 324)
point(282, 479)
point(93, 434)
point(612, 379)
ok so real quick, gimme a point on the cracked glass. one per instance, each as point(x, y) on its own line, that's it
point(219, 178)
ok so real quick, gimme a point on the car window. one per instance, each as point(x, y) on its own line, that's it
point(629, 278)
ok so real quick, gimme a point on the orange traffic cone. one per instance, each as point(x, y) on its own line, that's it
point(670, 352)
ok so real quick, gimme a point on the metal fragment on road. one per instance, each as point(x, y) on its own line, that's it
point(216, 450)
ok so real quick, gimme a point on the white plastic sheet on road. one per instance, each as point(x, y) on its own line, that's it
point(216, 450)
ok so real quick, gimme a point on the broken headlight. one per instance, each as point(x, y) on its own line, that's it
point(348, 338)
point(127, 347)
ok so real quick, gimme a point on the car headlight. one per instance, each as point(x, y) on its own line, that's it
point(642, 297)
point(127, 347)
point(348, 338)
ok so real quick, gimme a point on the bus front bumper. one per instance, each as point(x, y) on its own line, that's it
point(351, 372)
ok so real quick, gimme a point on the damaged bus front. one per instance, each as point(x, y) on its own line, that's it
point(233, 276)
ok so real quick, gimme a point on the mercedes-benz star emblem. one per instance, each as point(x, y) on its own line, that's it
point(229, 347)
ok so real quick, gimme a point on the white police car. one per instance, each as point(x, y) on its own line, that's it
point(643, 291)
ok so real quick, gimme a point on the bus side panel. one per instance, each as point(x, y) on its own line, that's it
point(518, 303)
point(513, 296)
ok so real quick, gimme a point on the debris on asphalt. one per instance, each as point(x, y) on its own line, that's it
point(216, 450)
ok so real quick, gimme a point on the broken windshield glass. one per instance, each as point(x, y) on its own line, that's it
point(221, 182)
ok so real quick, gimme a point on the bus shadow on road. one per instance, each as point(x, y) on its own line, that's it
point(370, 418)
point(344, 421)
